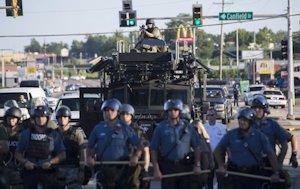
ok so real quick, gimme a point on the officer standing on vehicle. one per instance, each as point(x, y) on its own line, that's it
point(274, 132)
point(127, 115)
point(4, 150)
point(152, 31)
point(246, 146)
point(12, 119)
point(69, 172)
point(171, 142)
point(38, 150)
point(109, 141)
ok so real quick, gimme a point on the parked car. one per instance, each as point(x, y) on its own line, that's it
point(219, 98)
point(274, 97)
point(72, 101)
point(72, 87)
point(251, 91)
point(15, 93)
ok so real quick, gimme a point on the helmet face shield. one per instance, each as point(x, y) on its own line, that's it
point(112, 104)
point(127, 108)
point(247, 113)
point(173, 104)
point(260, 102)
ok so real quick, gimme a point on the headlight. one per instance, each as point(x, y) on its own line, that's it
point(219, 107)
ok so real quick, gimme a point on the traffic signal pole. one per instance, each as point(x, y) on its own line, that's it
point(291, 92)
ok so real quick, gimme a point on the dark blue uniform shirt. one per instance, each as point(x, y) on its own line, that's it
point(116, 139)
point(256, 141)
point(272, 130)
point(166, 135)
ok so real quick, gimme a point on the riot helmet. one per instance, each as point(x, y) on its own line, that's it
point(186, 112)
point(13, 112)
point(111, 103)
point(127, 108)
point(260, 101)
point(150, 21)
point(42, 110)
point(173, 104)
point(63, 111)
point(34, 103)
point(248, 114)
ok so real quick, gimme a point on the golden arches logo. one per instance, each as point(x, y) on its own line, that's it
point(185, 30)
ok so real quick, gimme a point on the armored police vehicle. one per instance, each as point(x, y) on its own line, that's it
point(143, 79)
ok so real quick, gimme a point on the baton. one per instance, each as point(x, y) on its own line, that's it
point(177, 175)
point(251, 176)
point(112, 162)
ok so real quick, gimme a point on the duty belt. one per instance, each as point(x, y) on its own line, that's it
point(243, 169)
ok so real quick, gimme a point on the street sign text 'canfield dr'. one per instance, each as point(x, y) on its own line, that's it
point(236, 16)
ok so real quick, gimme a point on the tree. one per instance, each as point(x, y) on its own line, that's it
point(33, 47)
point(245, 38)
point(264, 37)
point(55, 48)
point(76, 48)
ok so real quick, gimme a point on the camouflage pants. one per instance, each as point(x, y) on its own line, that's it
point(68, 177)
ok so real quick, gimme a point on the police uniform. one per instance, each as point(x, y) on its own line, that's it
point(136, 171)
point(245, 156)
point(111, 143)
point(68, 171)
point(172, 160)
point(10, 162)
point(272, 130)
point(39, 147)
point(4, 179)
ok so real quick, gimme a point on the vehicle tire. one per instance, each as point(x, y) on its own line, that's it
point(225, 120)
point(283, 106)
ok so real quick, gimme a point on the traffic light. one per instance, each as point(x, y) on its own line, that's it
point(17, 9)
point(127, 18)
point(284, 49)
point(197, 14)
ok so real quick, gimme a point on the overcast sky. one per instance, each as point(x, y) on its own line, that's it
point(101, 16)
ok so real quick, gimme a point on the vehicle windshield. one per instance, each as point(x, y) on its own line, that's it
point(72, 103)
point(215, 93)
point(256, 88)
point(14, 96)
point(272, 93)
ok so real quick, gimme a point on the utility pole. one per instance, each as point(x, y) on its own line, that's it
point(291, 92)
point(237, 48)
point(221, 42)
point(3, 70)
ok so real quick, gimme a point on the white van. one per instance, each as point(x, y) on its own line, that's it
point(15, 93)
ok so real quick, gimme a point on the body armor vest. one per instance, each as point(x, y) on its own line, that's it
point(41, 144)
point(72, 147)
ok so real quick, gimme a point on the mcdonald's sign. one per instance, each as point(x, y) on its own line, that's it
point(185, 33)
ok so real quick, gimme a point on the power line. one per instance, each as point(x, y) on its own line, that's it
point(173, 28)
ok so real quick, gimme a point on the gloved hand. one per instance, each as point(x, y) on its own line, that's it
point(293, 160)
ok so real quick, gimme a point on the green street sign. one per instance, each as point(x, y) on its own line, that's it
point(236, 16)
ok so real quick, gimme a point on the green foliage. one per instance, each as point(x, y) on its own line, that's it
point(33, 47)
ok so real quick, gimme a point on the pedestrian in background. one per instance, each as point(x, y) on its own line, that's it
point(216, 132)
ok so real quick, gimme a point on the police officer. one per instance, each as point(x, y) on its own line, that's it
point(31, 106)
point(69, 172)
point(38, 150)
point(4, 150)
point(151, 31)
point(171, 142)
point(274, 132)
point(246, 146)
point(12, 119)
point(198, 181)
point(127, 115)
point(109, 141)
